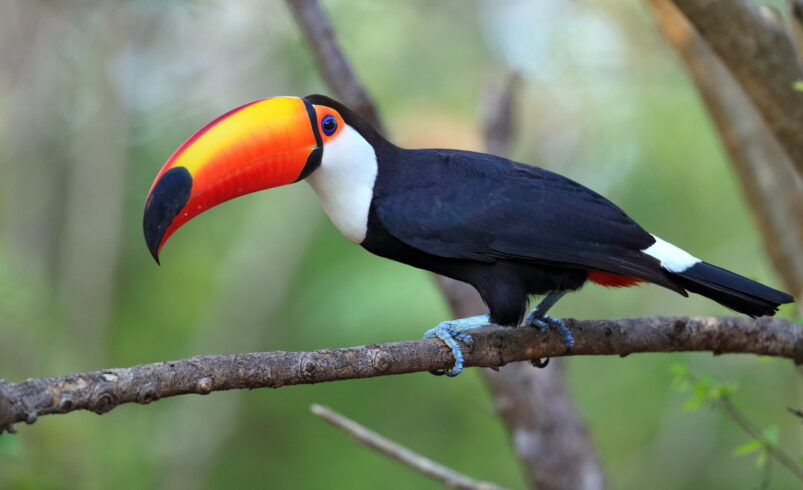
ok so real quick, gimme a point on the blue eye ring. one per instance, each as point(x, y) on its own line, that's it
point(329, 125)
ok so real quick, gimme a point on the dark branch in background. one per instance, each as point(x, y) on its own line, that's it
point(333, 66)
point(762, 57)
point(561, 434)
point(394, 450)
point(796, 8)
point(546, 430)
point(772, 186)
point(500, 115)
point(101, 391)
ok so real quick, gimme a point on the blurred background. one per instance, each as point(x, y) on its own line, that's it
point(95, 95)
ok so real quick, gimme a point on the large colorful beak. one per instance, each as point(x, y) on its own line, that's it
point(257, 146)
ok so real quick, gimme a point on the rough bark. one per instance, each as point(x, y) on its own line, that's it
point(101, 391)
point(762, 57)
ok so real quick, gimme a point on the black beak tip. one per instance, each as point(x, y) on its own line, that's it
point(168, 197)
point(152, 237)
point(155, 255)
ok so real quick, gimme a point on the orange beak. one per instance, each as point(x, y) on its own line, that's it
point(264, 144)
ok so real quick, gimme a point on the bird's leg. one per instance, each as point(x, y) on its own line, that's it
point(539, 318)
point(452, 331)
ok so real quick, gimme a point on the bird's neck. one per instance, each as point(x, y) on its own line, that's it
point(345, 181)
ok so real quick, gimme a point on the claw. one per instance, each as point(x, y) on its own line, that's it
point(452, 331)
point(447, 332)
point(544, 322)
point(466, 339)
point(538, 323)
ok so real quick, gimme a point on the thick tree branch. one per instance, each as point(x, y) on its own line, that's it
point(101, 391)
point(762, 56)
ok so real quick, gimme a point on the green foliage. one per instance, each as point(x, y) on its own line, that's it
point(705, 389)
point(769, 438)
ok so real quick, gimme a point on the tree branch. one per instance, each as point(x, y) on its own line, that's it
point(331, 63)
point(394, 450)
point(761, 55)
point(101, 391)
point(771, 184)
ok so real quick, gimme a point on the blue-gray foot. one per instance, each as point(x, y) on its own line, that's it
point(543, 322)
point(452, 331)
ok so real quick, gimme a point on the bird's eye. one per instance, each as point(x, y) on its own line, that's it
point(329, 124)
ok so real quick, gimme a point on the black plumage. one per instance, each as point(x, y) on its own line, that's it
point(513, 230)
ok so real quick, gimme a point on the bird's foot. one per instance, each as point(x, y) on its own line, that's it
point(543, 322)
point(452, 331)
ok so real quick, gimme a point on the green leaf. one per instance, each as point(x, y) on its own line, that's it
point(748, 447)
point(771, 434)
point(798, 85)
point(721, 391)
point(680, 375)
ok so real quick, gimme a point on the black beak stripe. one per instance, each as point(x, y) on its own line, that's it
point(314, 158)
point(167, 199)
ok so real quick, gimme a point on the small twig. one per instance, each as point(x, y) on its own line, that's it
point(394, 450)
point(772, 449)
point(796, 412)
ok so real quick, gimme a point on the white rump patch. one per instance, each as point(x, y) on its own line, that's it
point(344, 182)
point(671, 257)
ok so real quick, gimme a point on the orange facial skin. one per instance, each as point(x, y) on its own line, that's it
point(321, 112)
point(263, 144)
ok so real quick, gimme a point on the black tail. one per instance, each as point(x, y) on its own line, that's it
point(731, 290)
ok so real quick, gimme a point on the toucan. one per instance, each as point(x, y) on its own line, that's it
point(510, 230)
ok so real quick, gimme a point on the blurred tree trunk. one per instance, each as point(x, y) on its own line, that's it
point(761, 55)
point(546, 430)
point(547, 433)
point(93, 210)
point(772, 185)
point(32, 186)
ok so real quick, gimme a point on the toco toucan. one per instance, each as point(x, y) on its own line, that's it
point(508, 229)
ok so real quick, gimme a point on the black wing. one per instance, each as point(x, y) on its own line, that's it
point(475, 206)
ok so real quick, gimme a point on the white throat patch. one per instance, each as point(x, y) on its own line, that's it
point(344, 182)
